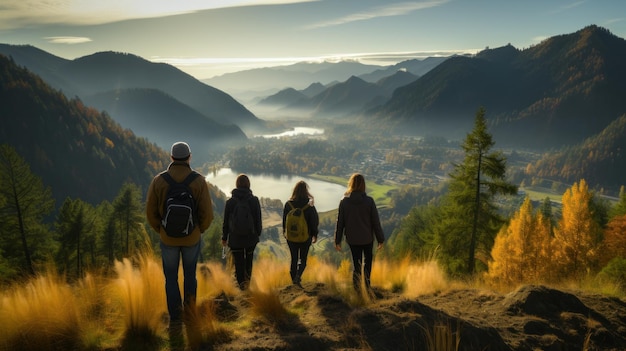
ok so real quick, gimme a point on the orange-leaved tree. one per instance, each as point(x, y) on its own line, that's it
point(577, 236)
point(522, 250)
point(614, 243)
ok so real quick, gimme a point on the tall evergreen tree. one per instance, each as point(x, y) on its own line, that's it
point(414, 237)
point(76, 230)
point(127, 217)
point(471, 221)
point(27, 201)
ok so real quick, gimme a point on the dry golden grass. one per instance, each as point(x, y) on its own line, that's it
point(42, 314)
point(441, 337)
point(129, 309)
point(409, 277)
point(203, 327)
point(100, 320)
point(268, 277)
point(139, 291)
point(215, 278)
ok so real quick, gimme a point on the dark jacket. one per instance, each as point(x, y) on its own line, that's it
point(310, 214)
point(242, 194)
point(157, 192)
point(358, 220)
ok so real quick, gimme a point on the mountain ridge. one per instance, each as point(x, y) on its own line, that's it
point(548, 91)
point(81, 152)
point(106, 71)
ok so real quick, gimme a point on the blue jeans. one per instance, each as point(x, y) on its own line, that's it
point(171, 259)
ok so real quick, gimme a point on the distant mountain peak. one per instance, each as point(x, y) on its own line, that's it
point(112, 57)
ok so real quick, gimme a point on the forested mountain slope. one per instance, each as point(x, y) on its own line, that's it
point(106, 71)
point(559, 92)
point(600, 160)
point(76, 150)
point(164, 120)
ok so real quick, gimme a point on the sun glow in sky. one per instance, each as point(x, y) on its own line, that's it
point(206, 38)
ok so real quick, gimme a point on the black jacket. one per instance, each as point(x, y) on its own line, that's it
point(358, 220)
point(245, 195)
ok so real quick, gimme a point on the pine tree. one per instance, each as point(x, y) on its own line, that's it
point(27, 202)
point(414, 237)
point(127, 217)
point(76, 230)
point(472, 220)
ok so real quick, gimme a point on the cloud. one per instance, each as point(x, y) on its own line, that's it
point(67, 40)
point(612, 21)
point(393, 56)
point(397, 9)
point(573, 5)
point(567, 7)
point(19, 13)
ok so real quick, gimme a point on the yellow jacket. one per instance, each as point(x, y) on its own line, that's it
point(157, 193)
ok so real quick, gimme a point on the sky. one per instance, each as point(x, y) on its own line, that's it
point(207, 38)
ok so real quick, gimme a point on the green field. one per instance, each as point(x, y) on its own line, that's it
point(536, 193)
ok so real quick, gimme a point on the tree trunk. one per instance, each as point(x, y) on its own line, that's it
point(472, 248)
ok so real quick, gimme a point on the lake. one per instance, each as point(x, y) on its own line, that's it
point(327, 195)
point(295, 131)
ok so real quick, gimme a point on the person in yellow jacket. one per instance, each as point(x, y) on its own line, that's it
point(186, 247)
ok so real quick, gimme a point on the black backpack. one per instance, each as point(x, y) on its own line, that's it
point(180, 215)
point(241, 224)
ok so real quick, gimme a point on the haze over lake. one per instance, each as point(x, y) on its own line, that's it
point(296, 131)
point(327, 195)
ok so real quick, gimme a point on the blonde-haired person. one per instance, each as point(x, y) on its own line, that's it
point(242, 245)
point(299, 251)
point(358, 220)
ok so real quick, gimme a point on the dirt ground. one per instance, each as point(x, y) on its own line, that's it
point(530, 318)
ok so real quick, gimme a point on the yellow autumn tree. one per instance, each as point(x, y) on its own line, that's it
point(577, 236)
point(614, 243)
point(522, 250)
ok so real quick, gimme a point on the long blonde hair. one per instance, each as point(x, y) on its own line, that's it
point(356, 183)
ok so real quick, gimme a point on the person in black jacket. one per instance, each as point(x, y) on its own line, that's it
point(242, 246)
point(358, 220)
point(300, 250)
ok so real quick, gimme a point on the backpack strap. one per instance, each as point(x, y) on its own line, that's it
point(290, 203)
point(168, 178)
point(190, 178)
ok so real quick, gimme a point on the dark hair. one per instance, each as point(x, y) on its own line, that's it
point(300, 191)
point(356, 183)
point(181, 159)
point(242, 181)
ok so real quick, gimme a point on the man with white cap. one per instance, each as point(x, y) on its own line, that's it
point(186, 246)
